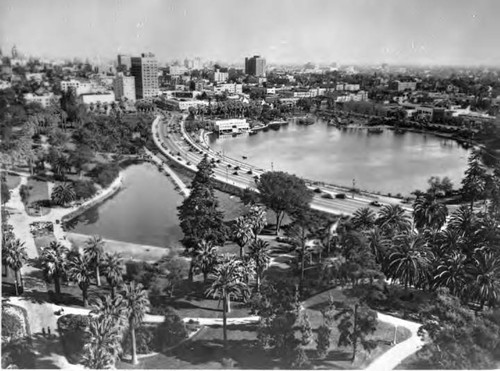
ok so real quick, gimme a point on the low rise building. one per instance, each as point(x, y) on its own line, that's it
point(180, 104)
point(45, 100)
point(79, 87)
point(403, 85)
point(220, 76)
point(94, 98)
point(231, 126)
point(229, 88)
point(124, 87)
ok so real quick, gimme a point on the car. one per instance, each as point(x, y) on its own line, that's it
point(375, 203)
point(249, 172)
point(340, 195)
point(235, 173)
point(237, 168)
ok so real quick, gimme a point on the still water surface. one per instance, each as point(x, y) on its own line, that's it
point(386, 162)
point(144, 211)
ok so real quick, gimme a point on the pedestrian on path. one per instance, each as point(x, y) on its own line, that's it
point(48, 330)
point(43, 332)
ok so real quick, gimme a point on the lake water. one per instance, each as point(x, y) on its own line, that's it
point(144, 211)
point(386, 162)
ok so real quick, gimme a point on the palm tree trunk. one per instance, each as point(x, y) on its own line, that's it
point(355, 340)
point(224, 320)
point(16, 283)
point(257, 281)
point(113, 291)
point(6, 270)
point(191, 270)
point(57, 285)
point(278, 222)
point(302, 262)
point(85, 298)
point(241, 251)
point(98, 276)
point(134, 350)
point(205, 275)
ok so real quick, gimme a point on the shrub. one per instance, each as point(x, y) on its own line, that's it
point(105, 174)
point(171, 331)
point(84, 189)
point(14, 322)
point(73, 335)
point(144, 339)
point(24, 193)
point(18, 354)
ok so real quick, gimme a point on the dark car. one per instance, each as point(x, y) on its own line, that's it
point(375, 203)
point(340, 195)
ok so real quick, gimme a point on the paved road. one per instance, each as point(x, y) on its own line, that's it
point(179, 146)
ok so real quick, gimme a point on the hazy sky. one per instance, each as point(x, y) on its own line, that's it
point(343, 31)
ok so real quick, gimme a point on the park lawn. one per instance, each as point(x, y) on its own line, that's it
point(38, 190)
point(412, 362)
point(12, 181)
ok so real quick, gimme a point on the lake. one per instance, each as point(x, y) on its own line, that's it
point(385, 162)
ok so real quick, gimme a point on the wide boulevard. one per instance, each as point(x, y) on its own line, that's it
point(174, 142)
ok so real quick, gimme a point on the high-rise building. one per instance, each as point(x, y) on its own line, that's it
point(15, 53)
point(145, 71)
point(124, 63)
point(220, 76)
point(255, 66)
point(124, 87)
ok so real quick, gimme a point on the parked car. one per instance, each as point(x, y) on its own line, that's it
point(375, 203)
point(340, 195)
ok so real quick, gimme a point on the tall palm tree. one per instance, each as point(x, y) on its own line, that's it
point(257, 218)
point(379, 245)
point(104, 344)
point(259, 253)
point(109, 307)
point(63, 194)
point(54, 263)
point(451, 273)
point(113, 271)
point(15, 257)
point(94, 249)
point(484, 273)
point(242, 232)
point(410, 261)
point(448, 241)
point(363, 219)
point(392, 219)
point(429, 213)
point(80, 271)
point(228, 284)
point(136, 304)
point(205, 257)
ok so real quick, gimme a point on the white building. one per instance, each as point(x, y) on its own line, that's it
point(177, 70)
point(124, 87)
point(231, 126)
point(95, 98)
point(220, 76)
point(79, 87)
point(45, 100)
point(229, 88)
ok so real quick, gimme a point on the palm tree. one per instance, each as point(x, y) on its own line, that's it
point(228, 283)
point(136, 304)
point(410, 261)
point(259, 253)
point(242, 232)
point(392, 219)
point(257, 218)
point(205, 257)
point(363, 219)
point(54, 263)
point(104, 344)
point(484, 274)
point(94, 248)
point(80, 271)
point(15, 256)
point(379, 245)
point(63, 194)
point(109, 307)
point(450, 273)
point(429, 213)
point(448, 241)
point(113, 271)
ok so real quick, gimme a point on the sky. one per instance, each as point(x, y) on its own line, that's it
point(455, 32)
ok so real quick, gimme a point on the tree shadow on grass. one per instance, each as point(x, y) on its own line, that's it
point(181, 304)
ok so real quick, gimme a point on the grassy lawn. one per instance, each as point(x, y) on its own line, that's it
point(12, 180)
point(38, 191)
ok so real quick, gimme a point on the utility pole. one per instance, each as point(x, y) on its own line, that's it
point(272, 166)
point(353, 187)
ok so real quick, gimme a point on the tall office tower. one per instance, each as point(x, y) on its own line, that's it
point(145, 71)
point(255, 66)
point(124, 87)
point(15, 53)
point(124, 63)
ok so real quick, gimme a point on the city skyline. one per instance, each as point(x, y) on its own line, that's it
point(357, 32)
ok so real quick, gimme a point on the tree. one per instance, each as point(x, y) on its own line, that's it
point(171, 331)
point(80, 271)
point(283, 193)
point(242, 232)
point(355, 324)
point(104, 344)
point(200, 218)
point(438, 186)
point(94, 249)
point(54, 263)
point(63, 194)
point(136, 304)
point(259, 253)
point(484, 273)
point(15, 256)
point(257, 219)
point(474, 182)
point(205, 258)
point(5, 193)
point(228, 284)
point(409, 263)
point(392, 219)
point(429, 213)
point(363, 219)
point(112, 268)
point(451, 273)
